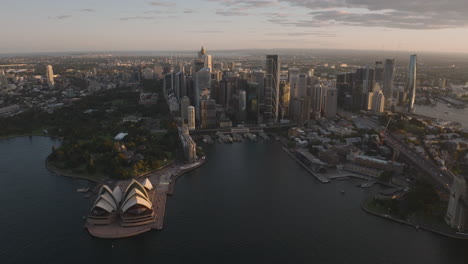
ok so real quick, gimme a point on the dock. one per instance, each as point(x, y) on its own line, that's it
point(321, 178)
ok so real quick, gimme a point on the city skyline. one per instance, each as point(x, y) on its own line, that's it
point(226, 25)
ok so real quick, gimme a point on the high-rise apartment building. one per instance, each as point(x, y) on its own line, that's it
point(332, 103)
point(411, 84)
point(50, 75)
point(388, 82)
point(272, 80)
point(184, 105)
point(191, 117)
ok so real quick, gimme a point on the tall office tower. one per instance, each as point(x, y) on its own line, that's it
point(3, 80)
point(208, 113)
point(169, 84)
point(206, 58)
point(259, 78)
point(411, 84)
point(317, 98)
point(388, 82)
point(180, 85)
point(272, 88)
point(332, 103)
point(363, 84)
point(344, 85)
point(225, 92)
point(311, 73)
point(379, 72)
point(202, 82)
point(242, 100)
point(50, 75)
point(285, 89)
point(191, 117)
point(378, 102)
point(293, 81)
point(184, 104)
point(374, 99)
point(301, 86)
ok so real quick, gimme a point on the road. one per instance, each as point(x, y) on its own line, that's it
point(441, 177)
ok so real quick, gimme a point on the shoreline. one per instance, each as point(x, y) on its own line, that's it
point(416, 226)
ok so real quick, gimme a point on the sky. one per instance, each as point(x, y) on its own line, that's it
point(145, 25)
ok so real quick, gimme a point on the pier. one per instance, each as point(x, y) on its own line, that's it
point(321, 178)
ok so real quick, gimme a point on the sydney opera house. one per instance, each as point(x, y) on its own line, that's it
point(133, 207)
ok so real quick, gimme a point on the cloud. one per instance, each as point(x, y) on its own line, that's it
point(204, 31)
point(403, 14)
point(161, 3)
point(137, 18)
point(189, 11)
point(246, 3)
point(89, 10)
point(300, 34)
point(233, 12)
point(241, 7)
point(60, 17)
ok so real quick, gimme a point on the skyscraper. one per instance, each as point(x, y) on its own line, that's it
point(50, 75)
point(3, 80)
point(379, 72)
point(332, 103)
point(206, 58)
point(208, 113)
point(202, 81)
point(293, 81)
point(272, 88)
point(317, 98)
point(184, 105)
point(388, 82)
point(411, 84)
point(191, 117)
point(285, 89)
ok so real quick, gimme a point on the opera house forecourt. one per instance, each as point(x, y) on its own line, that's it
point(117, 214)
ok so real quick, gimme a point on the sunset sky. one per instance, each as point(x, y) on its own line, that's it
point(118, 25)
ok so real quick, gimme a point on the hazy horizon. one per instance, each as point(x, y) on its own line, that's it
point(142, 25)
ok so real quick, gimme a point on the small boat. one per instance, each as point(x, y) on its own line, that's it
point(449, 105)
point(342, 191)
point(82, 190)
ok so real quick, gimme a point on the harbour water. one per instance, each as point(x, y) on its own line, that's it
point(443, 112)
point(250, 203)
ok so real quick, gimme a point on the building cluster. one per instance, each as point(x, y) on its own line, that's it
point(373, 88)
point(223, 94)
point(336, 144)
point(49, 91)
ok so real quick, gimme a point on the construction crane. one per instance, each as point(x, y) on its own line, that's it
point(383, 132)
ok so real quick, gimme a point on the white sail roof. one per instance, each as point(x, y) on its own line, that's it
point(108, 197)
point(134, 192)
point(117, 193)
point(103, 204)
point(135, 185)
point(147, 184)
point(135, 200)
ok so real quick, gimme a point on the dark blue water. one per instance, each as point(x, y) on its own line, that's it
point(250, 203)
